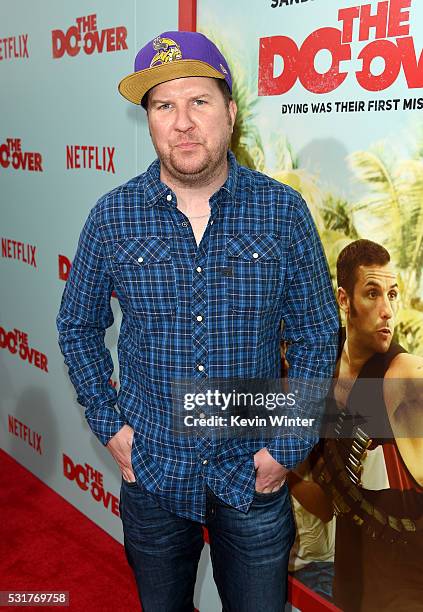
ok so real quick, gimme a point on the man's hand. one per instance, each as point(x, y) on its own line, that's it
point(120, 447)
point(270, 475)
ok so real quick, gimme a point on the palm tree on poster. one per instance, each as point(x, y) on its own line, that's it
point(339, 229)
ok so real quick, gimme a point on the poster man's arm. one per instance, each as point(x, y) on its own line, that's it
point(403, 393)
point(309, 493)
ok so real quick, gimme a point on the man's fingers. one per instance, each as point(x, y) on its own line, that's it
point(121, 454)
point(128, 476)
point(270, 488)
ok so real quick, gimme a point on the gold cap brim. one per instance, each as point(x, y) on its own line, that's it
point(134, 86)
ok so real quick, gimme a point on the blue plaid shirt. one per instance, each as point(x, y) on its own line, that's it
point(212, 311)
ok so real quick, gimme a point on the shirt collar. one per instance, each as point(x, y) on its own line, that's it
point(154, 189)
point(231, 182)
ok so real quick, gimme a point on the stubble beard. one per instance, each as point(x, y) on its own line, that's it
point(205, 171)
point(372, 344)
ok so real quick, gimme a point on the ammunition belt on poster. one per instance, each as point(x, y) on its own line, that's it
point(342, 480)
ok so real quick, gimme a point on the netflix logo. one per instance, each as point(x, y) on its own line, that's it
point(91, 157)
point(385, 29)
point(11, 154)
point(14, 47)
point(12, 249)
point(16, 342)
point(85, 35)
point(20, 430)
point(89, 479)
point(65, 265)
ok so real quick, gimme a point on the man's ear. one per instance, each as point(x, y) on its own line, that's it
point(232, 112)
point(343, 300)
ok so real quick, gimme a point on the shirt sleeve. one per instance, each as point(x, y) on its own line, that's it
point(83, 318)
point(311, 326)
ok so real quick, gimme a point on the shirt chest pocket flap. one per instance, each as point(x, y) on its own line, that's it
point(254, 262)
point(146, 274)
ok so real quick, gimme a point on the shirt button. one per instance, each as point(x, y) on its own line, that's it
point(199, 269)
point(184, 224)
point(205, 462)
point(199, 318)
point(140, 259)
point(169, 197)
point(255, 255)
point(200, 367)
point(202, 415)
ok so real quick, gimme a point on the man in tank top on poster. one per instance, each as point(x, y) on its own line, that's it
point(206, 258)
point(372, 481)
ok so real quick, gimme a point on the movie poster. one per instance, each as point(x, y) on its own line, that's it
point(330, 100)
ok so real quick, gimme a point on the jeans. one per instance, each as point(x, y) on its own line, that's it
point(249, 552)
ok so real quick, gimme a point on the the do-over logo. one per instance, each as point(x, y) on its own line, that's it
point(16, 342)
point(12, 156)
point(388, 23)
point(86, 36)
point(89, 479)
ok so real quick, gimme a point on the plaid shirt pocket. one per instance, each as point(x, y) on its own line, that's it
point(255, 264)
point(146, 274)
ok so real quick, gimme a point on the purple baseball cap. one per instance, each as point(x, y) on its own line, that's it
point(174, 55)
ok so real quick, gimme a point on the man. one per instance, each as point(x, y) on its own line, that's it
point(206, 259)
point(373, 471)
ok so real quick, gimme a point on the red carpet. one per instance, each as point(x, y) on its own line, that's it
point(46, 544)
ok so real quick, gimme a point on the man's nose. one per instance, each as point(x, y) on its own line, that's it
point(387, 309)
point(183, 119)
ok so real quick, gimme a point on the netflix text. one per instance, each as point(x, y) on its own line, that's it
point(90, 157)
point(14, 47)
point(13, 249)
point(25, 433)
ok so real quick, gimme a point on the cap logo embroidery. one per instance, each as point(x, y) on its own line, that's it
point(167, 51)
point(223, 69)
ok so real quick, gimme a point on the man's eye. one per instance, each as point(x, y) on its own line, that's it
point(199, 102)
point(372, 294)
point(393, 295)
point(164, 106)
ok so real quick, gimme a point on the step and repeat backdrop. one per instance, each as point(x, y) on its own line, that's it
point(67, 137)
point(329, 101)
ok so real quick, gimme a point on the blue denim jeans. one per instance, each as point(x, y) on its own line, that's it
point(249, 552)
